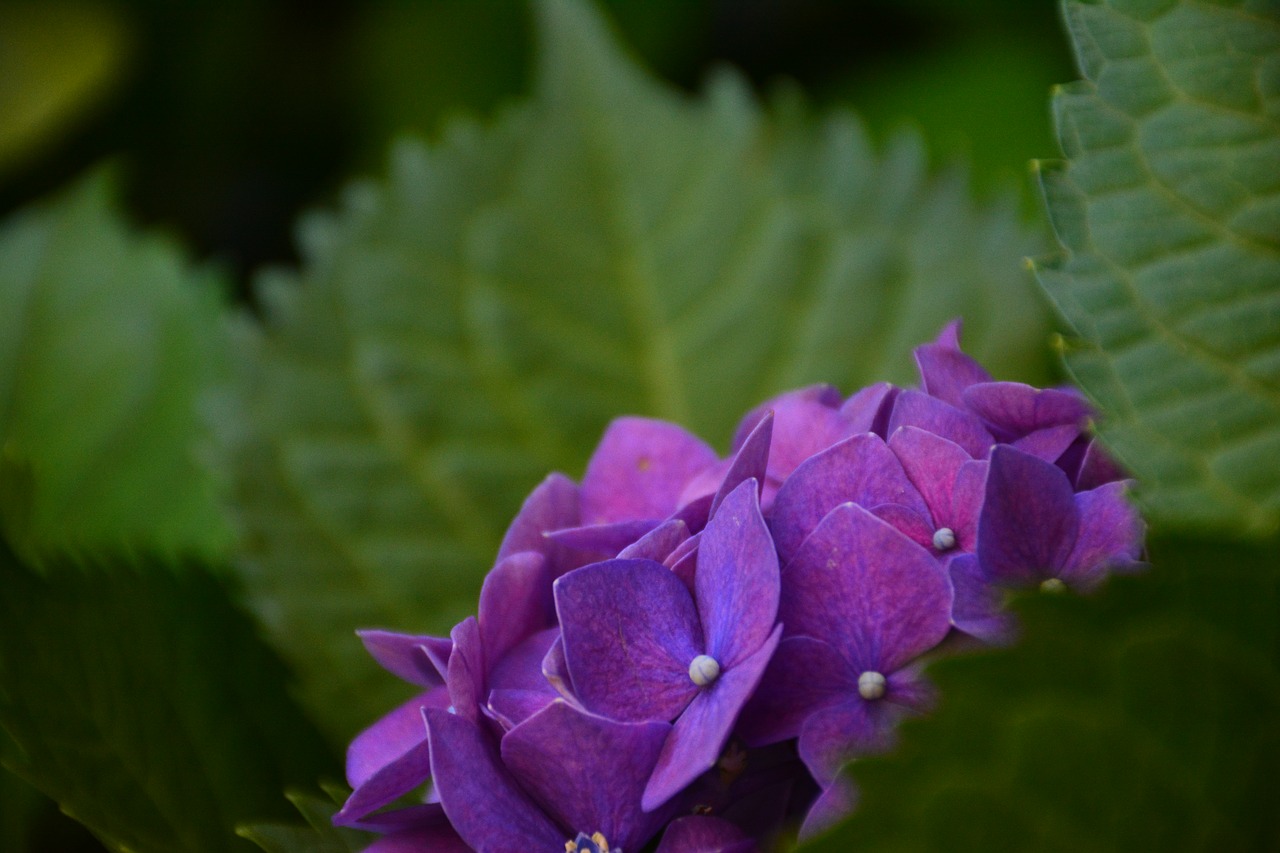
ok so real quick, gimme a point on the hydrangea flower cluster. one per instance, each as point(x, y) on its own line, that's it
point(682, 651)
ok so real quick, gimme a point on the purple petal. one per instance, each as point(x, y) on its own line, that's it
point(555, 669)
point(424, 816)
point(1019, 409)
point(515, 602)
point(437, 839)
point(931, 463)
point(1097, 468)
point(945, 371)
point(851, 729)
point(389, 759)
point(700, 734)
point(978, 610)
point(588, 771)
point(750, 462)
point(1028, 523)
point(465, 676)
point(737, 578)
point(601, 541)
point(1111, 533)
point(486, 806)
point(1049, 443)
point(521, 667)
point(639, 470)
point(553, 505)
point(658, 543)
point(916, 527)
point(874, 595)
point(403, 655)
point(869, 409)
point(949, 337)
point(806, 421)
point(630, 631)
point(512, 707)
point(861, 470)
point(931, 414)
point(803, 676)
point(704, 834)
point(836, 802)
point(966, 502)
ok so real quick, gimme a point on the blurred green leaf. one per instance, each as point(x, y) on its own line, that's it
point(108, 341)
point(1168, 210)
point(318, 836)
point(142, 700)
point(56, 61)
point(19, 803)
point(609, 246)
point(1140, 719)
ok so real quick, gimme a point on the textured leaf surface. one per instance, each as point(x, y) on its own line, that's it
point(1141, 719)
point(318, 836)
point(144, 702)
point(107, 340)
point(606, 247)
point(1168, 209)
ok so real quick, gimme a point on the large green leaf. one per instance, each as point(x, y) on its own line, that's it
point(1168, 209)
point(318, 836)
point(107, 342)
point(142, 700)
point(607, 246)
point(1141, 719)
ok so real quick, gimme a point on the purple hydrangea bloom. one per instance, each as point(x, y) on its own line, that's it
point(680, 652)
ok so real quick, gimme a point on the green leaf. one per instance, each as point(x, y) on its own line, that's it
point(1143, 718)
point(1168, 211)
point(608, 246)
point(142, 700)
point(318, 836)
point(107, 341)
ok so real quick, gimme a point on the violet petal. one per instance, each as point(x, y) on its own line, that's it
point(967, 495)
point(913, 408)
point(658, 543)
point(466, 674)
point(751, 462)
point(803, 676)
point(403, 655)
point(861, 469)
point(1110, 536)
point(521, 667)
point(737, 578)
point(868, 410)
point(639, 470)
point(910, 523)
point(1028, 523)
point(840, 732)
point(511, 707)
point(437, 839)
point(1097, 468)
point(515, 602)
point(931, 463)
point(486, 806)
point(704, 834)
point(552, 505)
point(699, 735)
point(391, 736)
point(1049, 443)
point(870, 592)
point(555, 669)
point(978, 609)
point(630, 631)
point(1020, 409)
point(836, 802)
point(945, 372)
point(589, 771)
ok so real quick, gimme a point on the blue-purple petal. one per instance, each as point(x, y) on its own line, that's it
point(1028, 524)
point(639, 470)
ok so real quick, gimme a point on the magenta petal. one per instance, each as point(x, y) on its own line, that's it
point(931, 463)
point(913, 408)
point(851, 729)
point(466, 674)
point(630, 632)
point(1097, 468)
point(1028, 523)
point(1110, 536)
point(589, 771)
point(1049, 443)
point(803, 676)
point(1019, 409)
point(870, 592)
point(553, 505)
point(700, 734)
point(966, 502)
point(658, 543)
point(603, 540)
point(704, 834)
point(836, 802)
point(751, 462)
point(861, 469)
point(639, 470)
point(403, 655)
point(910, 523)
point(485, 805)
point(945, 372)
point(737, 578)
point(515, 602)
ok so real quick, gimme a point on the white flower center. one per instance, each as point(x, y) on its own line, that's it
point(944, 539)
point(1052, 585)
point(704, 670)
point(871, 685)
